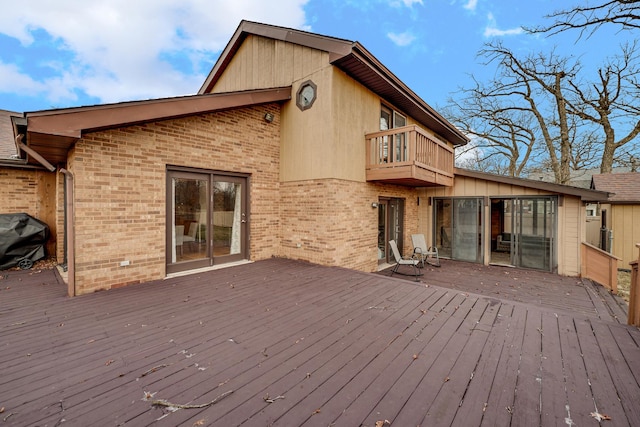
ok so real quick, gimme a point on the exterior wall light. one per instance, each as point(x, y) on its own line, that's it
point(268, 117)
point(374, 205)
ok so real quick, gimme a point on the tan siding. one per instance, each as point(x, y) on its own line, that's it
point(472, 187)
point(625, 223)
point(306, 135)
point(266, 63)
point(570, 219)
point(325, 141)
point(356, 111)
point(569, 215)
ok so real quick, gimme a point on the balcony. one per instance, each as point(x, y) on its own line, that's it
point(408, 156)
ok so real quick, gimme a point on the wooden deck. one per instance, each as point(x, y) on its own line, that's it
point(288, 343)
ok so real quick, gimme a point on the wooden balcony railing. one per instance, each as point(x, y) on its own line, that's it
point(600, 266)
point(408, 156)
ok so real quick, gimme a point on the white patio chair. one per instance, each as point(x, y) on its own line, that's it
point(403, 261)
point(179, 237)
point(190, 236)
point(424, 252)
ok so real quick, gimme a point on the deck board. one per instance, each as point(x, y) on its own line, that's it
point(552, 378)
point(605, 396)
point(501, 397)
point(476, 396)
point(464, 346)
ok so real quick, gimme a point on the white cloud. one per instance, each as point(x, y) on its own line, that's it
point(12, 80)
point(403, 39)
point(119, 48)
point(471, 5)
point(407, 3)
point(491, 30)
point(469, 153)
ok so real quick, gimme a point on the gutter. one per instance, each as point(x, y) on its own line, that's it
point(18, 164)
point(69, 233)
point(69, 215)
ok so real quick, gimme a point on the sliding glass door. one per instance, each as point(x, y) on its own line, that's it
point(229, 218)
point(523, 232)
point(533, 225)
point(206, 219)
point(390, 220)
point(458, 228)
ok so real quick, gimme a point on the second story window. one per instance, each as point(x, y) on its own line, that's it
point(390, 119)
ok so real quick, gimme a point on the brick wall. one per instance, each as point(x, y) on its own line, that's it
point(120, 198)
point(331, 222)
point(19, 191)
point(120, 188)
point(33, 192)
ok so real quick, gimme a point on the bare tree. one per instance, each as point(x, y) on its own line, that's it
point(611, 103)
point(532, 91)
point(584, 147)
point(587, 19)
point(503, 136)
point(478, 159)
point(542, 100)
point(629, 157)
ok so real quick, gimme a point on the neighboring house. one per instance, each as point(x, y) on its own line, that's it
point(577, 178)
point(8, 149)
point(621, 213)
point(297, 145)
point(583, 178)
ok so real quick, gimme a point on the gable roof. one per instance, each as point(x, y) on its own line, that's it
point(51, 133)
point(624, 186)
point(352, 58)
point(577, 178)
point(584, 194)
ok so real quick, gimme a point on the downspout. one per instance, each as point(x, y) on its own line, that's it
point(69, 233)
point(33, 153)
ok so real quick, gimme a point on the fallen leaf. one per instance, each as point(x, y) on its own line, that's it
point(108, 362)
point(148, 395)
point(2, 410)
point(199, 423)
point(317, 411)
point(415, 356)
point(600, 417)
point(382, 423)
point(446, 379)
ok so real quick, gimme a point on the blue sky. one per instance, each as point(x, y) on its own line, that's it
point(71, 52)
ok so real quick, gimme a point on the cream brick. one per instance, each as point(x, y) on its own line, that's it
point(120, 188)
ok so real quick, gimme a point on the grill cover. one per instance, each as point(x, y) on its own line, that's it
point(22, 239)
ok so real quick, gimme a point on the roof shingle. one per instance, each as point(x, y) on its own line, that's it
point(7, 144)
point(626, 186)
